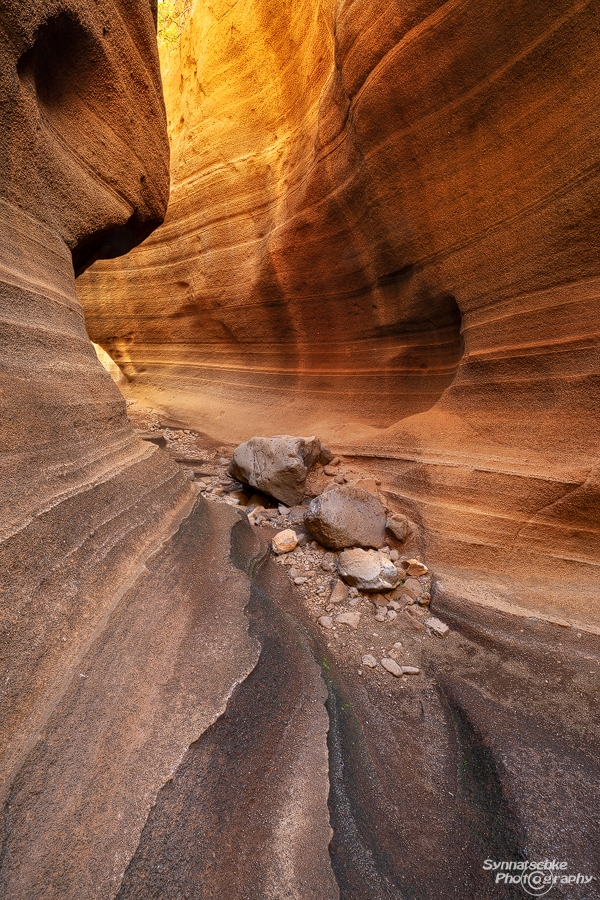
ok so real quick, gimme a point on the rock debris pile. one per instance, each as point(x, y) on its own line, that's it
point(341, 548)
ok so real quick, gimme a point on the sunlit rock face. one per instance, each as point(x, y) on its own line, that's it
point(384, 227)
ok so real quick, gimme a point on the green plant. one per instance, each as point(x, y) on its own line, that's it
point(171, 19)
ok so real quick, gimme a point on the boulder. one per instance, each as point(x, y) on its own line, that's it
point(346, 517)
point(276, 465)
point(368, 570)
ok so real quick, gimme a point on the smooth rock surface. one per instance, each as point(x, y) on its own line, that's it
point(301, 276)
point(367, 570)
point(276, 465)
point(346, 517)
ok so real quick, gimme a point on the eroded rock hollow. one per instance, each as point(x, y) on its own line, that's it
point(383, 229)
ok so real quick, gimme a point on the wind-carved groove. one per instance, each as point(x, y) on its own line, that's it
point(215, 829)
point(493, 824)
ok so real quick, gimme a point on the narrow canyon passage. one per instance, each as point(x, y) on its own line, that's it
point(299, 449)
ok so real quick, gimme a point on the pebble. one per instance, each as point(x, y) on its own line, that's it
point(351, 619)
point(381, 614)
point(391, 615)
point(369, 661)
point(409, 670)
point(436, 626)
point(339, 593)
point(339, 479)
point(285, 541)
point(414, 567)
point(325, 621)
point(301, 580)
point(393, 604)
point(391, 666)
point(330, 470)
point(394, 555)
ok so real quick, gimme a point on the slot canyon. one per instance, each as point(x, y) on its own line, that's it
point(375, 223)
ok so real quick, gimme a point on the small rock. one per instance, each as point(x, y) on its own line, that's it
point(325, 621)
point(414, 567)
point(381, 614)
point(367, 570)
point(391, 666)
point(424, 599)
point(393, 604)
point(369, 661)
point(302, 540)
point(409, 670)
point(270, 513)
point(223, 461)
point(436, 626)
point(202, 486)
point(285, 541)
point(328, 563)
point(339, 593)
point(399, 526)
point(240, 496)
point(301, 580)
point(297, 513)
point(379, 600)
point(340, 479)
point(283, 510)
point(391, 615)
point(330, 470)
point(346, 517)
point(335, 461)
point(277, 465)
point(351, 619)
point(411, 588)
point(394, 555)
point(325, 456)
point(354, 601)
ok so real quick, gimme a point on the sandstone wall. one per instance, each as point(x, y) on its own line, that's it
point(94, 621)
point(384, 227)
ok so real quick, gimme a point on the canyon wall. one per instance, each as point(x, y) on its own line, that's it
point(384, 228)
point(100, 599)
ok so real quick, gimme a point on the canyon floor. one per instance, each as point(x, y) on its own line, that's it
point(326, 778)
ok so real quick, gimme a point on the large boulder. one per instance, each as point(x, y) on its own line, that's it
point(346, 517)
point(368, 570)
point(277, 465)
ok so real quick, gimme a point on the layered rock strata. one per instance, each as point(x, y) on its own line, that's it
point(384, 229)
point(109, 662)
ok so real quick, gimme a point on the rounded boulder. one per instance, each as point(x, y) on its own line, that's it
point(346, 517)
